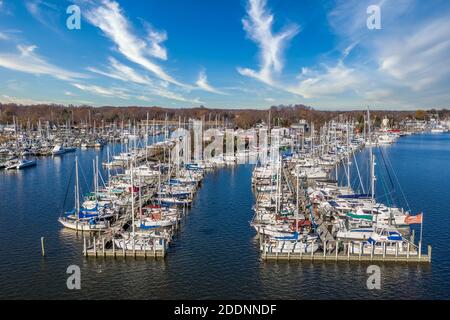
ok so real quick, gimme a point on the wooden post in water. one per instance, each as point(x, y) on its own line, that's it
point(325, 249)
point(84, 246)
point(103, 247)
point(407, 252)
point(336, 250)
point(95, 247)
point(420, 249)
point(429, 253)
point(312, 249)
point(114, 247)
point(123, 248)
point(43, 246)
point(348, 251)
point(372, 248)
point(396, 249)
point(301, 250)
point(360, 250)
point(164, 248)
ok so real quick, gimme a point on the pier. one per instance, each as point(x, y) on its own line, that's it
point(104, 247)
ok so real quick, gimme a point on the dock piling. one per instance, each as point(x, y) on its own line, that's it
point(43, 246)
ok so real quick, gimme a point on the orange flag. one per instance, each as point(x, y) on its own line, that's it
point(417, 219)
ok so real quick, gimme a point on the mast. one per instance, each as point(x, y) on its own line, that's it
point(348, 157)
point(132, 198)
point(372, 158)
point(77, 190)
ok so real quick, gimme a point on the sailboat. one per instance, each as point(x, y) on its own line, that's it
point(143, 240)
point(81, 219)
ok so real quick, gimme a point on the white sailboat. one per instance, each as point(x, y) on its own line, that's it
point(82, 220)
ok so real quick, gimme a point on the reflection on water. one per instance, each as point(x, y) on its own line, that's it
point(215, 255)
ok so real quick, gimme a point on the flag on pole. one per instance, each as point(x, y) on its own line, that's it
point(417, 219)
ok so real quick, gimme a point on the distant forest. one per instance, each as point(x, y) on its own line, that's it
point(284, 115)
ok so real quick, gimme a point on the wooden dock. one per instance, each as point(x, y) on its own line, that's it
point(345, 256)
point(319, 257)
point(105, 247)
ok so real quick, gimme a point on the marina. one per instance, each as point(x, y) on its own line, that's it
point(165, 193)
point(220, 159)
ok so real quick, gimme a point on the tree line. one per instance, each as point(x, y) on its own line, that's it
point(283, 115)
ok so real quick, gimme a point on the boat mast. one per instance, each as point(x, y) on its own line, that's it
point(132, 198)
point(77, 190)
point(348, 157)
point(372, 159)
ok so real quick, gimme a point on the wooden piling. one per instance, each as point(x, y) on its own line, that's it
point(84, 246)
point(113, 247)
point(43, 246)
point(336, 250)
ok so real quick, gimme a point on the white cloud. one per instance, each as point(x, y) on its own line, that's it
point(419, 59)
point(258, 25)
point(45, 13)
point(105, 92)
point(3, 36)
point(24, 101)
point(333, 80)
point(156, 39)
point(164, 93)
point(202, 83)
point(110, 19)
point(121, 72)
point(29, 62)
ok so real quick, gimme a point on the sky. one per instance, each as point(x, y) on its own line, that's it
point(227, 53)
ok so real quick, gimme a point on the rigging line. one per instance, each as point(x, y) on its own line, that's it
point(84, 178)
point(386, 193)
point(67, 189)
point(399, 185)
point(359, 175)
point(387, 169)
point(385, 184)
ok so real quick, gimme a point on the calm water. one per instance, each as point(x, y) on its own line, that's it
point(215, 256)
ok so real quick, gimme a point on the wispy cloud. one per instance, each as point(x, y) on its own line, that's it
point(156, 39)
point(421, 58)
point(3, 36)
point(102, 91)
point(165, 93)
point(23, 101)
point(202, 83)
point(119, 71)
point(258, 25)
point(111, 20)
point(26, 60)
point(45, 13)
point(332, 81)
point(404, 63)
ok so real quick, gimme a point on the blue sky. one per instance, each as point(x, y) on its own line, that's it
point(227, 53)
